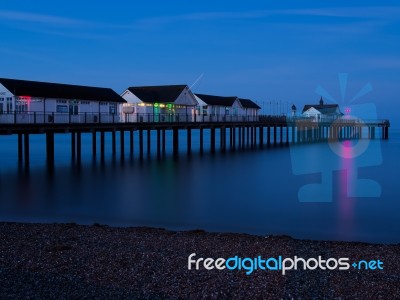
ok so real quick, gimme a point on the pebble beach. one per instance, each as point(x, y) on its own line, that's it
point(70, 261)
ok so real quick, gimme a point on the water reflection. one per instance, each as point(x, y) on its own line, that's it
point(249, 191)
point(346, 181)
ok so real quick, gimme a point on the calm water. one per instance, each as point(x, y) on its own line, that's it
point(253, 191)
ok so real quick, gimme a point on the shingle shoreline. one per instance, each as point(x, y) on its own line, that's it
point(73, 261)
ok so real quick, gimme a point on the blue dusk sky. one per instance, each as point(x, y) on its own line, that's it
point(269, 51)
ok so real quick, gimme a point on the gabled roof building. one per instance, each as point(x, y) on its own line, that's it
point(322, 111)
point(42, 99)
point(158, 103)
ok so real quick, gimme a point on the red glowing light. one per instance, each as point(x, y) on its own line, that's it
point(347, 110)
point(25, 98)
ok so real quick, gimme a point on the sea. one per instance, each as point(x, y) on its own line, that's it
point(338, 190)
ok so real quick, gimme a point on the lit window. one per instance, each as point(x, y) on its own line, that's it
point(62, 109)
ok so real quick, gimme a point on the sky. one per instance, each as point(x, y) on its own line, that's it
point(268, 51)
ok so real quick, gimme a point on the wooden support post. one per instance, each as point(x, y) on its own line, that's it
point(255, 136)
point(73, 145)
point(102, 144)
point(122, 143)
point(131, 143)
point(163, 141)
point(158, 143)
point(243, 137)
point(94, 143)
point(269, 136)
point(201, 139)
point(252, 136)
point(26, 149)
point(248, 135)
point(50, 147)
point(261, 136)
point(148, 142)
point(231, 138)
point(212, 141)
point(233, 129)
point(114, 146)
point(141, 143)
point(175, 141)
point(78, 146)
point(240, 136)
point(189, 141)
point(222, 138)
point(287, 134)
point(20, 147)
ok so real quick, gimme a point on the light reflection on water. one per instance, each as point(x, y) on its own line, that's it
point(251, 191)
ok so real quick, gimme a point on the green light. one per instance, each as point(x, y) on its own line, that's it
point(169, 106)
point(156, 104)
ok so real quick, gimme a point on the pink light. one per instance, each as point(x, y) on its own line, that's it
point(26, 98)
point(347, 110)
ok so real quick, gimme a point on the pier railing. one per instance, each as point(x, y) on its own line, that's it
point(95, 118)
point(107, 118)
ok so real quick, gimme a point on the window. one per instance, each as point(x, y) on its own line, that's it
point(73, 109)
point(1, 99)
point(62, 109)
point(9, 107)
point(113, 109)
point(1, 108)
point(62, 101)
point(21, 106)
point(226, 110)
point(85, 102)
point(205, 110)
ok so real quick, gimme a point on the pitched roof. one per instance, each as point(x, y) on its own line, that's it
point(217, 100)
point(58, 90)
point(157, 94)
point(325, 109)
point(247, 103)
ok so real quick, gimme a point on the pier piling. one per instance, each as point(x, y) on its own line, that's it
point(94, 143)
point(73, 145)
point(175, 142)
point(102, 142)
point(50, 147)
point(122, 143)
point(26, 149)
point(20, 147)
point(78, 146)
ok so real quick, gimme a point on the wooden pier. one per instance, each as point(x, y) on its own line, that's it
point(266, 131)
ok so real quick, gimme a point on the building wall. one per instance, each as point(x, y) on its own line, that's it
point(26, 109)
point(186, 98)
point(7, 100)
point(137, 111)
point(313, 113)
